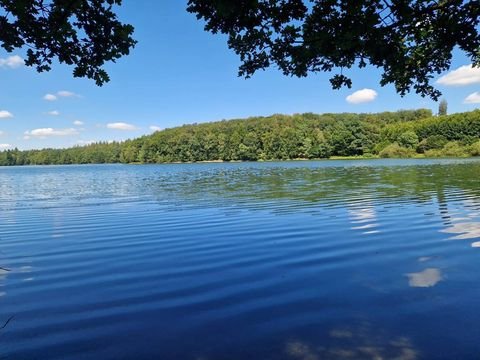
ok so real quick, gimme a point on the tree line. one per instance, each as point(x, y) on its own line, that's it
point(405, 133)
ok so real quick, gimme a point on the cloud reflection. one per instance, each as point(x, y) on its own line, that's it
point(3, 276)
point(426, 278)
point(466, 223)
point(363, 217)
point(466, 230)
point(349, 343)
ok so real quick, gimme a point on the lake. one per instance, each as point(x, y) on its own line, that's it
point(373, 259)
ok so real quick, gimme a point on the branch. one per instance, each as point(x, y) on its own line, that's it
point(6, 322)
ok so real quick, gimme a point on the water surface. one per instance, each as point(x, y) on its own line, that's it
point(298, 260)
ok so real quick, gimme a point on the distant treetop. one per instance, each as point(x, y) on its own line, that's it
point(409, 40)
point(442, 107)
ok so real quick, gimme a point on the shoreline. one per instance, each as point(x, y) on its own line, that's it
point(333, 158)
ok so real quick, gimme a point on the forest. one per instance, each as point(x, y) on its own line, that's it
point(405, 133)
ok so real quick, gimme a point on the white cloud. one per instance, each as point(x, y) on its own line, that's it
point(54, 113)
point(4, 114)
point(472, 98)
point(12, 62)
point(78, 123)
point(50, 97)
point(464, 75)
point(155, 128)
point(58, 94)
point(5, 146)
point(46, 132)
point(362, 96)
point(65, 93)
point(121, 126)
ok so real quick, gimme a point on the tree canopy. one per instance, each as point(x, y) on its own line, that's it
point(408, 40)
point(405, 133)
point(82, 33)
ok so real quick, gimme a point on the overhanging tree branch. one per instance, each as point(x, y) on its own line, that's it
point(409, 40)
point(83, 33)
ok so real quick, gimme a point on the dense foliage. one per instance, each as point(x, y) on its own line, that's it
point(408, 39)
point(99, 153)
point(282, 137)
point(82, 33)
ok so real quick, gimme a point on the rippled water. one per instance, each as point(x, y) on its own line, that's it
point(299, 260)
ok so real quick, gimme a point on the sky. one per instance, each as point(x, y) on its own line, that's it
point(180, 74)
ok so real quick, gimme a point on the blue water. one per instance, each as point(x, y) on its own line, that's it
point(371, 259)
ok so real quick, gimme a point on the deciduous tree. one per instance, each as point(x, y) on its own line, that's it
point(409, 41)
point(82, 33)
point(442, 107)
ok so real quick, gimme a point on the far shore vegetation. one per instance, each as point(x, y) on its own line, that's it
point(401, 134)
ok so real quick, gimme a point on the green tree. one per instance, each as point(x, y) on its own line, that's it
point(408, 139)
point(396, 151)
point(82, 33)
point(409, 40)
point(442, 107)
point(433, 142)
point(306, 136)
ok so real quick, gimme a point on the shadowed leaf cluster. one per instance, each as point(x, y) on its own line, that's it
point(408, 40)
point(83, 33)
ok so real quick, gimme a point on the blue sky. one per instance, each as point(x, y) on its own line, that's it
point(180, 74)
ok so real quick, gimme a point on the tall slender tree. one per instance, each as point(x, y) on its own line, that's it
point(442, 107)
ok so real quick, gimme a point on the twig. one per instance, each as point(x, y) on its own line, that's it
point(6, 322)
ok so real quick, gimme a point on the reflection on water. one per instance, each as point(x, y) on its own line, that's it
point(355, 343)
point(25, 271)
point(3, 275)
point(425, 258)
point(426, 278)
point(465, 230)
point(464, 221)
point(364, 217)
point(295, 260)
